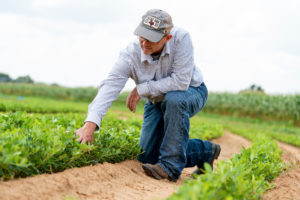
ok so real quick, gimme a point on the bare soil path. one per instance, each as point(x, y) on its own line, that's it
point(287, 185)
point(125, 180)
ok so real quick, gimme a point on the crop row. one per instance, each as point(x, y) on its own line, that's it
point(34, 144)
point(270, 107)
point(43, 143)
point(245, 176)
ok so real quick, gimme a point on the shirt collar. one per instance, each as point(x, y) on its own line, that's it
point(166, 50)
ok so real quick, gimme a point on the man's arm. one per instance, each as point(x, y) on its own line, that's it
point(182, 71)
point(107, 93)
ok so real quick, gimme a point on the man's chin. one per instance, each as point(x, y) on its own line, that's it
point(147, 52)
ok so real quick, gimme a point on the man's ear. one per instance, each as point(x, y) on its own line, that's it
point(168, 37)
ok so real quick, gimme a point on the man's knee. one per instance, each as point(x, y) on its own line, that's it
point(174, 99)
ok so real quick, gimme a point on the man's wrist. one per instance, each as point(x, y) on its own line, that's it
point(90, 126)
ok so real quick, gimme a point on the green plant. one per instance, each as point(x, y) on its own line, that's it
point(33, 143)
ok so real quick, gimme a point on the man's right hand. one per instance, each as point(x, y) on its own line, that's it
point(86, 133)
point(132, 99)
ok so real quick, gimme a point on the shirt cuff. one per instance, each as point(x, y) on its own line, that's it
point(143, 89)
point(93, 117)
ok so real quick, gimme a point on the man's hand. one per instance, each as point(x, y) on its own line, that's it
point(132, 100)
point(86, 133)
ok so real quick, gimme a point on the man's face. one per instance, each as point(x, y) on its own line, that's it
point(153, 47)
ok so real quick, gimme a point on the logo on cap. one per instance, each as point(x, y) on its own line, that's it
point(152, 22)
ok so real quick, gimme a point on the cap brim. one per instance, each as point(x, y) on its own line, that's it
point(148, 34)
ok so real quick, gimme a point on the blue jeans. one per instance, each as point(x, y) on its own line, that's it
point(165, 132)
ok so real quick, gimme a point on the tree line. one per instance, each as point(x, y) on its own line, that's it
point(21, 79)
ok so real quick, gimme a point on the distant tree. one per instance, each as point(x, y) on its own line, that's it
point(259, 89)
point(253, 89)
point(23, 79)
point(5, 78)
point(55, 85)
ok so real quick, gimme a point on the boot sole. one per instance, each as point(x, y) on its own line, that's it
point(150, 172)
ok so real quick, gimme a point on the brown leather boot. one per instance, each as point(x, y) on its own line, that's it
point(155, 171)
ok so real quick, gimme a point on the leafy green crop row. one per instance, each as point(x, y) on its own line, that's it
point(33, 143)
point(205, 130)
point(245, 176)
point(43, 143)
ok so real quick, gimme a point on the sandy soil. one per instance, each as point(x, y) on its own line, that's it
point(125, 180)
point(287, 185)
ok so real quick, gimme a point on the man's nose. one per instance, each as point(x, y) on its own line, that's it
point(147, 42)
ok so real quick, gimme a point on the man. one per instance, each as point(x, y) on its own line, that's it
point(162, 65)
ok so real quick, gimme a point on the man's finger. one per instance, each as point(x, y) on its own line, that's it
point(86, 141)
point(128, 100)
point(130, 103)
point(77, 132)
point(133, 106)
point(75, 135)
point(79, 139)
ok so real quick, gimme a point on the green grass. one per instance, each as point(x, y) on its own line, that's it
point(40, 105)
point(282, 131)
point(262, 106)
point(48, 91)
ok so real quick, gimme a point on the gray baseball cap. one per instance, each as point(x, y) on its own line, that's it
point(155, 24)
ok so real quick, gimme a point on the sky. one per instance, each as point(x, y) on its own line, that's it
point(75, 43)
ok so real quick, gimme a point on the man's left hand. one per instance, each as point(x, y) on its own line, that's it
point(132, 100)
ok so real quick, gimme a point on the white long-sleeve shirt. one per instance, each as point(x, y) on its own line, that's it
point(175, 70)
